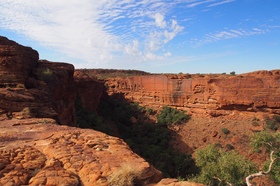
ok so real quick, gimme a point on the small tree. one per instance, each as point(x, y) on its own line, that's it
point(232, 73)
point(270, 143)
point(222, 168)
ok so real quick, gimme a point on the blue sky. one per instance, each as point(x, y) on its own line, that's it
point(160, 36)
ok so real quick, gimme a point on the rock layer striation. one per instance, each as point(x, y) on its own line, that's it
point(212, 94)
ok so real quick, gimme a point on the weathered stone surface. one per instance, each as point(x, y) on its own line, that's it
point(212, 94)
point(49, 154)
point(61, 87)
point(30, 88)
point(16, 62)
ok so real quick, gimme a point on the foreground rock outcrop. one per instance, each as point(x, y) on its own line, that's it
point(39, 152)
point(207, 94)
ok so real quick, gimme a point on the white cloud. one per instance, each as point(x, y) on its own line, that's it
point(133, 49)
point(94, 32)
point(168, 54)
point(159, 19)
point(158, 38)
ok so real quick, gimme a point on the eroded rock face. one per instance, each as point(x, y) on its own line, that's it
point(30, 88)
point(39, 152)
point(16, 62)
point(61, 88)
point(212, 94)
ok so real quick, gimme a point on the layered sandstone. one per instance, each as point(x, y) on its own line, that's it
point(212, 94)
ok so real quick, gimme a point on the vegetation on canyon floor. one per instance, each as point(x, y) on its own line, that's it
point(170, 116)
point(212, 164)
point(149, 140)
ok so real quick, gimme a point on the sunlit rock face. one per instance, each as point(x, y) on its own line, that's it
point(40, 152)
point(210, 94)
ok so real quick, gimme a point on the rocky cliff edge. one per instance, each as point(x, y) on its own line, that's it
point(36, 95)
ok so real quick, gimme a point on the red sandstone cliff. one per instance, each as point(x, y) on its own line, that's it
point(212, 94)
point(30, 87)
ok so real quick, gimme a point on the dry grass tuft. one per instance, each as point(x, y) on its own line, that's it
point(125, 175)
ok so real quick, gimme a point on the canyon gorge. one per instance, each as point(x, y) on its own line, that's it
point(40, 143)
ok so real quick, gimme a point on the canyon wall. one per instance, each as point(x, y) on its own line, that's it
point(33, 88)
point(207, 94)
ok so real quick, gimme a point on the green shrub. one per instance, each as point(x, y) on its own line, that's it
point(150, 111)
point(46, 75)
point(276, 118)
point(168, 116)
point(269, 142)
point(87, 119)
point(229, 147)
point(273, 124)
point(220, 168)
point(225, 131)
point(232, 73)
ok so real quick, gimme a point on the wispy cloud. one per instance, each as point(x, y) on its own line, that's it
point(227, 34)
point(102, 33)
point(211, 3)
point(93, 31)
point(196, 3)
point(220, 3)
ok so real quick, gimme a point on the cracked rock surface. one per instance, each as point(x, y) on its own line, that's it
point(50, 154)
